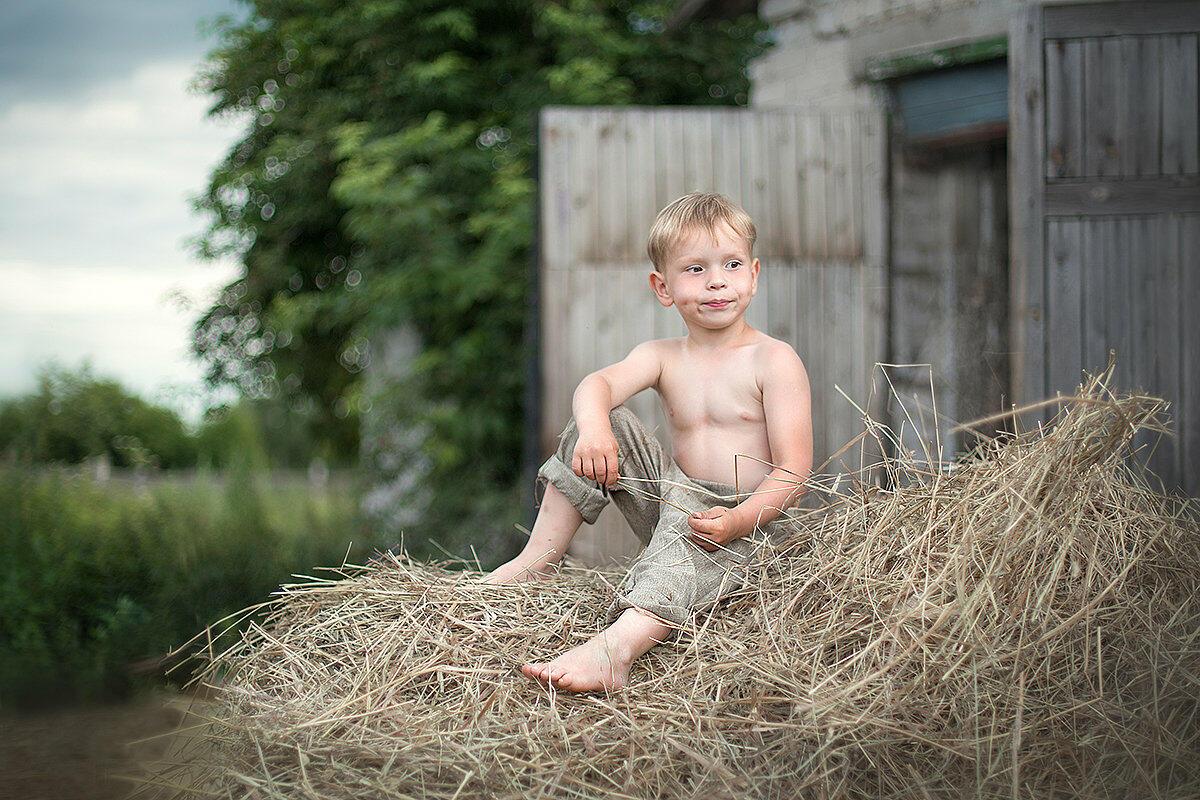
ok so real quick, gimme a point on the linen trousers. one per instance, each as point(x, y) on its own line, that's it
point(672, 577)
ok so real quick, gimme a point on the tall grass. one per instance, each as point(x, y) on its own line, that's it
point(96, 577)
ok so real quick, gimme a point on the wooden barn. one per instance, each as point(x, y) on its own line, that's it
point(1002, 190)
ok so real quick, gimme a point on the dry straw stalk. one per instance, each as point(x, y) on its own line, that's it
point(1020, 624)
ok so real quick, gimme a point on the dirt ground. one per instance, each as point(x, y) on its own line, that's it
point(78, 753)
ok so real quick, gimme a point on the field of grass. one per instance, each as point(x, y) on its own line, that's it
point(99, 576)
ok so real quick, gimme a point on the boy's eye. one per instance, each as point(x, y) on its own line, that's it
point(697, 266)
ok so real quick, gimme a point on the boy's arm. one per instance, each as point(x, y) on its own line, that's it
point(605, 389)
point(788, 409)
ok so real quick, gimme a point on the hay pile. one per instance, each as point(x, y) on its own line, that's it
point(1025, 624)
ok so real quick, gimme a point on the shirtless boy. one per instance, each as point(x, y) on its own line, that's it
point(727, 389)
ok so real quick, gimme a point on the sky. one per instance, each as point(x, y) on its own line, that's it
point(101, 145)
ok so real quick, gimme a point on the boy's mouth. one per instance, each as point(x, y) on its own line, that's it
point(717, 303)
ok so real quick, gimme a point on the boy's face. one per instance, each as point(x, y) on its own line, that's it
point(700, 270)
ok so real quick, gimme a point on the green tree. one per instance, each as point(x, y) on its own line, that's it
point(385, 179)
point(230, 436)
point(266, 432)
point(74, 415)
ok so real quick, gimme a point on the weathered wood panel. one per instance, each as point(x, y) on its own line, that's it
point(813, 182)
point(1106, 203)
point(1180, 140)
point(1100, 138)
point(1187, 345)
point(1121, 106)
point(1095, 303)
point(1114, 19)
point(1064, 305)
point(949, 290)
point(1142, 91)
point(1064, 95)
point(1028, 153)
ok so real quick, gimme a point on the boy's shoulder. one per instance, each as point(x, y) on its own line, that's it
point(772, 351)
point(778, 362)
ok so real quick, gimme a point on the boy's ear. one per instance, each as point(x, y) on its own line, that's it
point(658, 285)
point(754, 268)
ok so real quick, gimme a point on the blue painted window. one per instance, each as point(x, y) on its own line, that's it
point(946, 101)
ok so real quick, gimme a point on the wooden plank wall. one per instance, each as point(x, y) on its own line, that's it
point(949, 289)
point(812, 180)
point(1106, 201)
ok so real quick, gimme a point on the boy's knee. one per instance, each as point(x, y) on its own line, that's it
point(621, 412)
point(624, 423)
point(622, 419)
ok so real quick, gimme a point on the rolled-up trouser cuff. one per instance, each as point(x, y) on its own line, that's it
point(584, 493)
point(658, 605)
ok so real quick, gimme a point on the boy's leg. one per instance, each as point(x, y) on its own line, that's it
point(603, 661)
point(669, 580)
point(673, 577)
point(641, 461)
point(556, 523)
point(570, 499)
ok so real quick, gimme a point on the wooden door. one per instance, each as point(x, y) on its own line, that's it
point(812, 180)
point(1106, 207)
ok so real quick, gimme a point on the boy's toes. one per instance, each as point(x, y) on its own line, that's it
point(549, 675)
point(538, 671)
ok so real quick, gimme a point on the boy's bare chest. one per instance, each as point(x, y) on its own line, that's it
point(719, 394)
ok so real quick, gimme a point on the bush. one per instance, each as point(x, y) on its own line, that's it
point(96, 577)
point(73, 415)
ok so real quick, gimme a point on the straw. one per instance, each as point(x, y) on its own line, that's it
point(1024, 624)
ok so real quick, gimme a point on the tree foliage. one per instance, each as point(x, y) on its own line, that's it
point(73, 415)
point(385, 178)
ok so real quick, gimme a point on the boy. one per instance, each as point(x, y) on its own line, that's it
point(727, 389)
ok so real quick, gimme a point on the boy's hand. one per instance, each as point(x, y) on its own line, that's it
point(595, 457)
point(717, 524)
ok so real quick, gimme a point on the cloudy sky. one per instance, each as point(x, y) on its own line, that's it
point(101, 145)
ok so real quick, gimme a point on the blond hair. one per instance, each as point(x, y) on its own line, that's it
point(696, 210)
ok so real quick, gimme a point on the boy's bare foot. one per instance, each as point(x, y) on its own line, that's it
point(522, 569)
point(593, 666)
point(603, 661)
